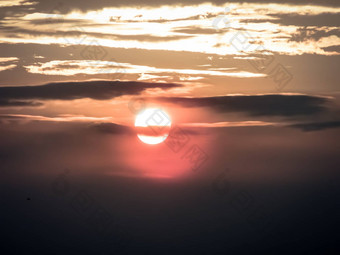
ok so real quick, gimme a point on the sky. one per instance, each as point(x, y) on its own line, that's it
point(251, 90)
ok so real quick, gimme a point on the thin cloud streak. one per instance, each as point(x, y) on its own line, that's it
point(72, 67)
point(249, 123)
point(65, 118)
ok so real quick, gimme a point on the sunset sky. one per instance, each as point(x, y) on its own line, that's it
point(252, 91)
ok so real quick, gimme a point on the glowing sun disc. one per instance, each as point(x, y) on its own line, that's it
point(153, 125)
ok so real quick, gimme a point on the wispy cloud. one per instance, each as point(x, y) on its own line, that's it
point(72, 67)
point(250, 123)
point(8, 3)
point(8, 67)
point(7, 63)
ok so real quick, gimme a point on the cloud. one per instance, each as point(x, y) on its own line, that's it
point(183, 28)
point(8, 67)
point(8, 3)
point(99, 90)
point(230, 124)
point(256, 105)
point(10, 59)
point(24, 33)
point(161, 20)
point(112, 128)
point(306, 34)
point(48, 5)
point(15, 103)
point(72, 67)
point(298, 19)
point(7, 63)
point(316, 126)
point(101, 125)
point(332, 48)
point(61, 118)
point(197, 30)
point(320, 19)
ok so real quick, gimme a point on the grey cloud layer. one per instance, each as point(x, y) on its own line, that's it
point(296, 19)
point(316, 126)
point(100, 90)
point(257, 105)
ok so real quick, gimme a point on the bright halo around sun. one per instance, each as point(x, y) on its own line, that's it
point(153, 125)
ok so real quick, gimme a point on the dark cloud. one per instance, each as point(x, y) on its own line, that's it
point(14, 103)
point(332, 48)
point(57, 21)
point(21, 10)
point(117, 129)
point(256, 105)
point(17, 32)
point(324, 19)
point(197, 30)
point(112, 128)
point(320, 20)
point(316, 126)
point(306, 34)
point(100, 90)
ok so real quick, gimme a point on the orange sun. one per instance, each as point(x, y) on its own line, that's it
point(153, 125)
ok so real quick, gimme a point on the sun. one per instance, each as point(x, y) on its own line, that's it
point(153, 125)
